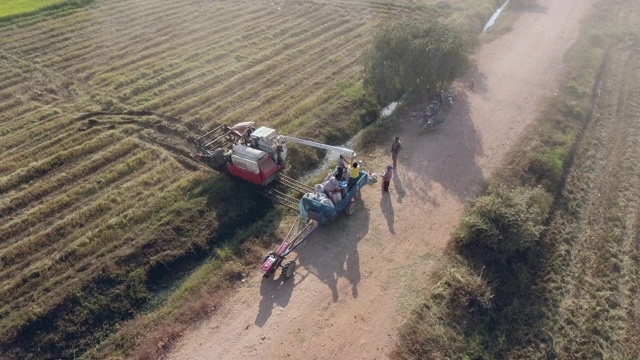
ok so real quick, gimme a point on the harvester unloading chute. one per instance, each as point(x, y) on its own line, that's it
point(337, 149)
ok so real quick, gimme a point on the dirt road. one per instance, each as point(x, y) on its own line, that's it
point(359, 276)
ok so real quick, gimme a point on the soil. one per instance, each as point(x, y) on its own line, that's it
point(360, 275)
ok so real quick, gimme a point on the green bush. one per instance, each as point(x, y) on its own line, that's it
point(505, 221)
point(425, 335)
point(414, 56)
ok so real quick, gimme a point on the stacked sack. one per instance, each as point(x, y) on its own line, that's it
point(319, 196)
point(332, 189)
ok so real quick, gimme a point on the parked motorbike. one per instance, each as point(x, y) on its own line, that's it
point(432, 123)
point(428, 121)
point(448, 96)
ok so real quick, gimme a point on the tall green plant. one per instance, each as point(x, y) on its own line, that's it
point(414, 56)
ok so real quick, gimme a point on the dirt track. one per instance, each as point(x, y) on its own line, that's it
point(358, 276)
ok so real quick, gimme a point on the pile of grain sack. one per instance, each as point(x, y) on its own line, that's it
point(329, 193)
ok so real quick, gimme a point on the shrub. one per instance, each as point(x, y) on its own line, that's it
point(460, 292)
point(414, 56)
point(505, 221)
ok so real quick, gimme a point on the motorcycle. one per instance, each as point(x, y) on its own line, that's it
point(448, 96)
point(428, 121)
point(432, 123)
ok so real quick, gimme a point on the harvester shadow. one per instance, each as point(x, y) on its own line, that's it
point(445, 156)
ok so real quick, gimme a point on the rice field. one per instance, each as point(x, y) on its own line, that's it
point(94, 195)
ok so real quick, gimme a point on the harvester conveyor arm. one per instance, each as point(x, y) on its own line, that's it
point(339, 149)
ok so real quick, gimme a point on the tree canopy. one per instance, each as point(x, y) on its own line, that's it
point(414, 56)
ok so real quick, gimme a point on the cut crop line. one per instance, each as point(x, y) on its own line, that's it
point(39, 193)
point(278, 79)
point(161, 85)
point(212, 39)
point(217, 51)
point(78, 215)
point(149, 49)
point(283, 86)
point(264, 61)
point(252, 74)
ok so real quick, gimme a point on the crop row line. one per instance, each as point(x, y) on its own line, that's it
point(81, 213)
point(32, 129)
point(96, 235)
point(46, 148)
point(256, 98)
point(65, 157)
point(259, 69)
point(39, 193)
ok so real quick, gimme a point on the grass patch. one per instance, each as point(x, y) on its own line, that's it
point(501, 246)
point(11, 9)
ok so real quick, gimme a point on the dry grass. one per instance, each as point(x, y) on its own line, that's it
point(92, 206)
point(573, 295)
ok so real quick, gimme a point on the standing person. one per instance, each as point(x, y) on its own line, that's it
point(342, 166)
point(395, 149)
point(386, 178)
point(354, 173)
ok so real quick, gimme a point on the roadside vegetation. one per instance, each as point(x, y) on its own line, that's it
point(112, 238)
point(410, 61)
point(545, 262)
point(417, 57)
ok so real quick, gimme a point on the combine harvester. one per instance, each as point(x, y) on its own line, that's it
point(258, 156)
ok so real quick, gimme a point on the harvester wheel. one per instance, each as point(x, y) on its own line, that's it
point(288, 269)
point(351, 208)
point(268, 255)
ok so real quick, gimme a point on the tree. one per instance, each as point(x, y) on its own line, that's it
point(414, 56)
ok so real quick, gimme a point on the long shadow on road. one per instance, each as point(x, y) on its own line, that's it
point(329, 254)
point(332, 252)
point(445, 156)
point(275, 292)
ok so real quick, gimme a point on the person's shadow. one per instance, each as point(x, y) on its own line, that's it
point(275, 291)
point(397, 182)
point(387, 210)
